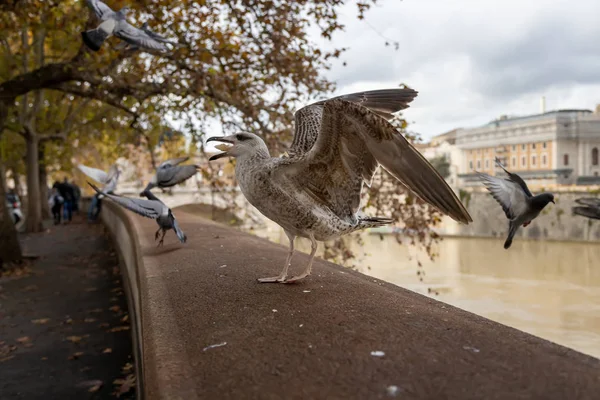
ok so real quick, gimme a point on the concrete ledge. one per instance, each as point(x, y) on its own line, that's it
point(313, 340)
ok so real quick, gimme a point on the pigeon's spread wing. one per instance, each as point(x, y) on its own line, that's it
point(96, 174)
point(146, 208)
point(174, 175)
point(308, 119)
point(352, 141)
point(155, 35)
point(507, 193)
point(515, 178)
point(589, 212)
point(137, 37)
point(589, 201)
point(172, 162)
point(100, 9)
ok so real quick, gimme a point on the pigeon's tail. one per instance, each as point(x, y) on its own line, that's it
point(94, 38)
point(372, 222)
point(179, 232)
point(512, 229)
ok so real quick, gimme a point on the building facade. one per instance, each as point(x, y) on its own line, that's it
point(556, 147)
point(444, 145)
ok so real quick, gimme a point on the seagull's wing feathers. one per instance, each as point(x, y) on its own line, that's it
point(100, 9)
point(146, 208)
point(383, 102)
point(137, 37)
point(96, 174)
point(351, 143)
point(173, 162)
point(507, 193)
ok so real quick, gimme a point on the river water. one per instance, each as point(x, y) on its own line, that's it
point(549, 289)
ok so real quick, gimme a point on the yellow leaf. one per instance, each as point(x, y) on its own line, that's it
point(23, 339)
point(74, 339)
point(107, 350)
point(40, 321)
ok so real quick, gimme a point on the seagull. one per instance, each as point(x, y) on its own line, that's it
point(115, 23)
point(520, 206)
point(590, 207)
point(170, 173)
point(150, 208)
point(109, 180)
point(338, 145)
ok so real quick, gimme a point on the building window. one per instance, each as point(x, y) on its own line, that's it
point(544, 160)
point(533, 160)
point(487, 164)
point(595, 156)
point(566, 159)
point(533, 146)
point(523, 161)
point(523, 146)
point(544, 145)
point(514, 147)
point(470, 164)
point(513, 161)
point(478, 164)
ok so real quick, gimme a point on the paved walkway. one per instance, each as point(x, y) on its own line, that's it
point(64, 329)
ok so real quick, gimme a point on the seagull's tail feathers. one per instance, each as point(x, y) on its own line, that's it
point(372, 222)
point(512, 229)
point(94, 38)
point(182, 237)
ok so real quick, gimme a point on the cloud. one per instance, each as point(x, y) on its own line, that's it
point(472, 61)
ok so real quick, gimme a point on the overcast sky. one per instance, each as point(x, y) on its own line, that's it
point(473, 60)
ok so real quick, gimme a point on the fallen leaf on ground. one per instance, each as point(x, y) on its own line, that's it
point(40, 321)
point(74, 339)
point(6, 358)
point(95, 310)
point(107, 350)
point(89, 320)
point(44, 358)
point(94, 388)
point(30, 288)
point(23, 339)
point(125, 318)
point(90, 384)
point(104, 325)
point(125, 385)
point(69, 321)
point(127, 367)
point(119, 328)
point(115, 308)
point(91, 289)
point(75, 356)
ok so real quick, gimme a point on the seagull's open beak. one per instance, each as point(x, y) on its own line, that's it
point(222, 139)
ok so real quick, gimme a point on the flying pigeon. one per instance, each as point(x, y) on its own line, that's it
point(590, 207)
point(115, 23)
point(150, 208)
point(150, 33)
point(338, 145)
point(170, 173)
point(520, 206)
point(109, 180)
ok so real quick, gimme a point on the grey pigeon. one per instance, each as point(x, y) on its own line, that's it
point(150, 33)
point(170, 173)
point(590, 207)
point(115, 23)
point(109, 180)
point(338, 145)
point(520, 206)
point(150, 208)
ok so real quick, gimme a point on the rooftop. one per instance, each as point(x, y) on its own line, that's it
point(506, 120)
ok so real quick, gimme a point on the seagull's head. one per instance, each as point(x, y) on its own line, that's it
point(240, 144)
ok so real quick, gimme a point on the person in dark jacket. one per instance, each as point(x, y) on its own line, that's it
point(67, 193)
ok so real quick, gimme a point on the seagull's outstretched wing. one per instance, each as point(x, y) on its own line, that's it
point(382, 102)
point(146, 208)
point(589, 201)
point(137, 37)
point(509, 194)
point(351, 142)
point(172, 162)
point(96, 174)
point(589, 212)
point(171, 176)
point(99, 8)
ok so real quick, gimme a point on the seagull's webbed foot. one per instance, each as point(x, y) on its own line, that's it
point(296, 278)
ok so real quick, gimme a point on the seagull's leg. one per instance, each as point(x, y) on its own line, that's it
point(281, 277)
point(313, 250)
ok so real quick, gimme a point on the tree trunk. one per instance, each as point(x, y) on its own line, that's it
point(34, 202)
point(10, 248)
point(43, 182)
